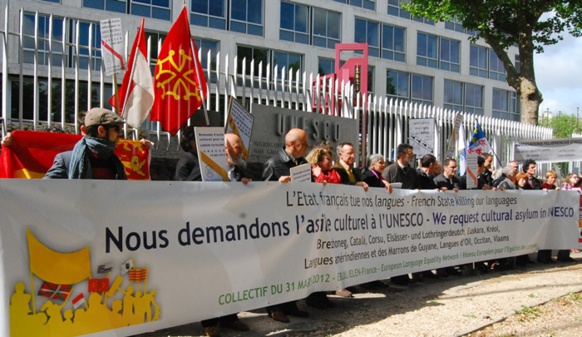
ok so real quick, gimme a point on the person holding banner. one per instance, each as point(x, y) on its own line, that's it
point(424, 179)
point(277, 168)
point(507, 179)
point(529, 167)
point(402, 172)
point(233, 150)
point(448, 180)
point(92, 157)
point(188, 166)
point(349, 174)
point(373, 174)
point(550, 183)
point(321, 159)
point(570, 183)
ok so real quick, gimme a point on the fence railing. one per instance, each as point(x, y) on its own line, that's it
point(47, 81)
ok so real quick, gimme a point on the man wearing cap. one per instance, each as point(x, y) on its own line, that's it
point(92, 157)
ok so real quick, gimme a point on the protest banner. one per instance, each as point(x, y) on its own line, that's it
point(240, 122)
point(548, 150)
point(210, 147)
point(112, 45)
point(421, 133)
point(241, 246)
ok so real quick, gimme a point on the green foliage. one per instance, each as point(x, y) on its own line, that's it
point(530, 25)
point(562, 125)
point(505, 20)
point(528, 312)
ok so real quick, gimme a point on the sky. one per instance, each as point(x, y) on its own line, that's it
point(559, 76)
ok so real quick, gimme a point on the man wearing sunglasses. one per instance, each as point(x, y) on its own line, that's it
point(92, 157)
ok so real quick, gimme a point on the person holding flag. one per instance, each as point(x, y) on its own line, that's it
point(93, 156)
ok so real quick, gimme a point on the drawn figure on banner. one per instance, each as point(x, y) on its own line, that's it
point(61, 297)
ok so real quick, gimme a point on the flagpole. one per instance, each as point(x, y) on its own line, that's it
point(114, 76)
point(132, 69)
point(198, 78)
point(32, 292)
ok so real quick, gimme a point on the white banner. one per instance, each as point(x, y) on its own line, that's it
point(178, 252)
point(548, 150)
point(421, 135)
point(112, 46)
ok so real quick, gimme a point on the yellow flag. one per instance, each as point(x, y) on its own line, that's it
point(56, 267)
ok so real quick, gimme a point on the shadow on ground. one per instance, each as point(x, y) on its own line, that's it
point(365, 308)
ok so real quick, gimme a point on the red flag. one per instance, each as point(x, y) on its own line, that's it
point(138, 275)
point(98, 285)
point(55, 291)
point(78, 301)
point(136, 94)
point(180, 86)
point(32, 154)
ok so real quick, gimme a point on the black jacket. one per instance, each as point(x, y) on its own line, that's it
point(279, 165)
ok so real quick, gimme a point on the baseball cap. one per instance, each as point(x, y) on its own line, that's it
point(99, 116)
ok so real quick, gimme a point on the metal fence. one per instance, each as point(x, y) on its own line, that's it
point(47, 81)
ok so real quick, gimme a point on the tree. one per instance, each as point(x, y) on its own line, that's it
point(530, 25)
point(563, 126)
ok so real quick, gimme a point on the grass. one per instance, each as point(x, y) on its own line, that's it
point(528, 312)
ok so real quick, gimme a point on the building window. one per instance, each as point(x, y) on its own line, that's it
point(326, 28)
point(438, 52)
point(455, 24)
point(88, 54)
point(205, 46)
point(397, 84)
point(464, 97)
point(449, 55)
point(294, 23)
point(517, 63)
point(371, 72)
point(368, 32)
point(270, 58)
point(367, 4)
point(209, 13)
point(453, 99)
point(426, 53)
point(309, 25)
point(478, 64)
point(390, 40)
point(107, 5)
point(395, 9)
point(506, 105)
point(325, 66)
point(245, 16)
point(409, 87)
point(485, 63)
point(157, 9)
point(496, 68)
point(393, 43)
point(55, 1)
point(56, 102)
point(285, 61)
point(421, 89)
point(42, 54)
